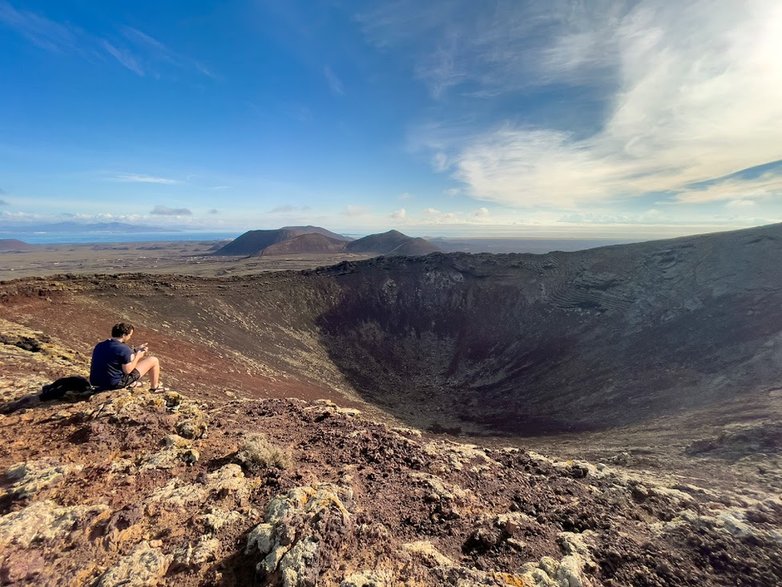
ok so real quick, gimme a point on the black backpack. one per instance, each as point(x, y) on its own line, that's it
point(75, 384)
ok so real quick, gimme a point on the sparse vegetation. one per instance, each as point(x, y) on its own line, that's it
point(258, 452)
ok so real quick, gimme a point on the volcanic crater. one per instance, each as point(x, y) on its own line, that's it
point(520, 344)
point(649, 373)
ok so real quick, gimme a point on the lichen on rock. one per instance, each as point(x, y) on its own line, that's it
point(143, 567)
point(43, 522)
point(30, 477)
point(296, 528)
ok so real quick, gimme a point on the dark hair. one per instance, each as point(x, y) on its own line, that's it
point(121, 329)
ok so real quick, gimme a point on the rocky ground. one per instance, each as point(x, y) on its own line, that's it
point(133, 488)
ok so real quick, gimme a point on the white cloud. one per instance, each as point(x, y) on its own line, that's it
point(440, 161)
point(400, 214)
point(481, 213)
point(740, 204)
point(66, 38)
point(406, 196)
point(166, 211)
point(141, 178)
point(335, 84)
point(435, 216)
point(39, 30)
point(15, 215)
point(124, 57)
point(288, 209)
point(736, 189)
point(352, 210)
point(485, 50)
point(696, 95)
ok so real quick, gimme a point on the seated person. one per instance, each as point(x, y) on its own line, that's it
point(115, 365)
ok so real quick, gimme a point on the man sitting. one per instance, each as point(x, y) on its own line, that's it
point(115, 365)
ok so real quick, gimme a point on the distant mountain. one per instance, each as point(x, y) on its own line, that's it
point(316, 230)
point(392, 242)
point(260, 242)
point(13, 245)
point(313, 239)
point(306, 243)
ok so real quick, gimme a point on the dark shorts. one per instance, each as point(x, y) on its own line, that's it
point(128, 378)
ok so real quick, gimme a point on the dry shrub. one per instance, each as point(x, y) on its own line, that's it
point(257, 451)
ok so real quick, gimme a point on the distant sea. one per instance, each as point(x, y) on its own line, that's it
point(54, 238)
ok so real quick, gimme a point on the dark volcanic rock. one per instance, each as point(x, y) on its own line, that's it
point(565, 341)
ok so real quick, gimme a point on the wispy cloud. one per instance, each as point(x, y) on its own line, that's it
point(141, 178)
point(400, 214)
point(156, 50)
point(166, 211)
point(39, 30)
point(405, 196)
point(132, 48)
point(214, 211)
point(734, 189)
point(4, 203)
point(335, 84)
point(696, 94)
point(353, 210)
point(485, 51)
point(288, 209)
point(124, 57)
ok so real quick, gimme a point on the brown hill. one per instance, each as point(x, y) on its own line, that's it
point(306, 243)
point(309, 229)
point(13, 245)
point(392, 242)
point(254, 242)
point(315, 240)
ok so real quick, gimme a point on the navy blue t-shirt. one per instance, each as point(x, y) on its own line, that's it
point(107, 360)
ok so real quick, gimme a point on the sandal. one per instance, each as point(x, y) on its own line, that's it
point(159, 389)
point(135, 384)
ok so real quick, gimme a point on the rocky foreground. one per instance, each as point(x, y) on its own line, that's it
point(131, 488)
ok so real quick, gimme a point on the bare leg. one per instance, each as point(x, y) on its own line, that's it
point(150, 365)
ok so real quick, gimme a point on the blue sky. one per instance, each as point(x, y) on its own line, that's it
point(465, 118)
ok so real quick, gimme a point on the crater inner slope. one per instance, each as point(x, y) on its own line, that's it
point(523, 344)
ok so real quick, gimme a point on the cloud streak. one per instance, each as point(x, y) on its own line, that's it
point(335, 84)
point(141, 178)
point(486, 51)
point(133, 49)
point(158, 51)
point(166, 211)
point(124, 57)
point(40, 31)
